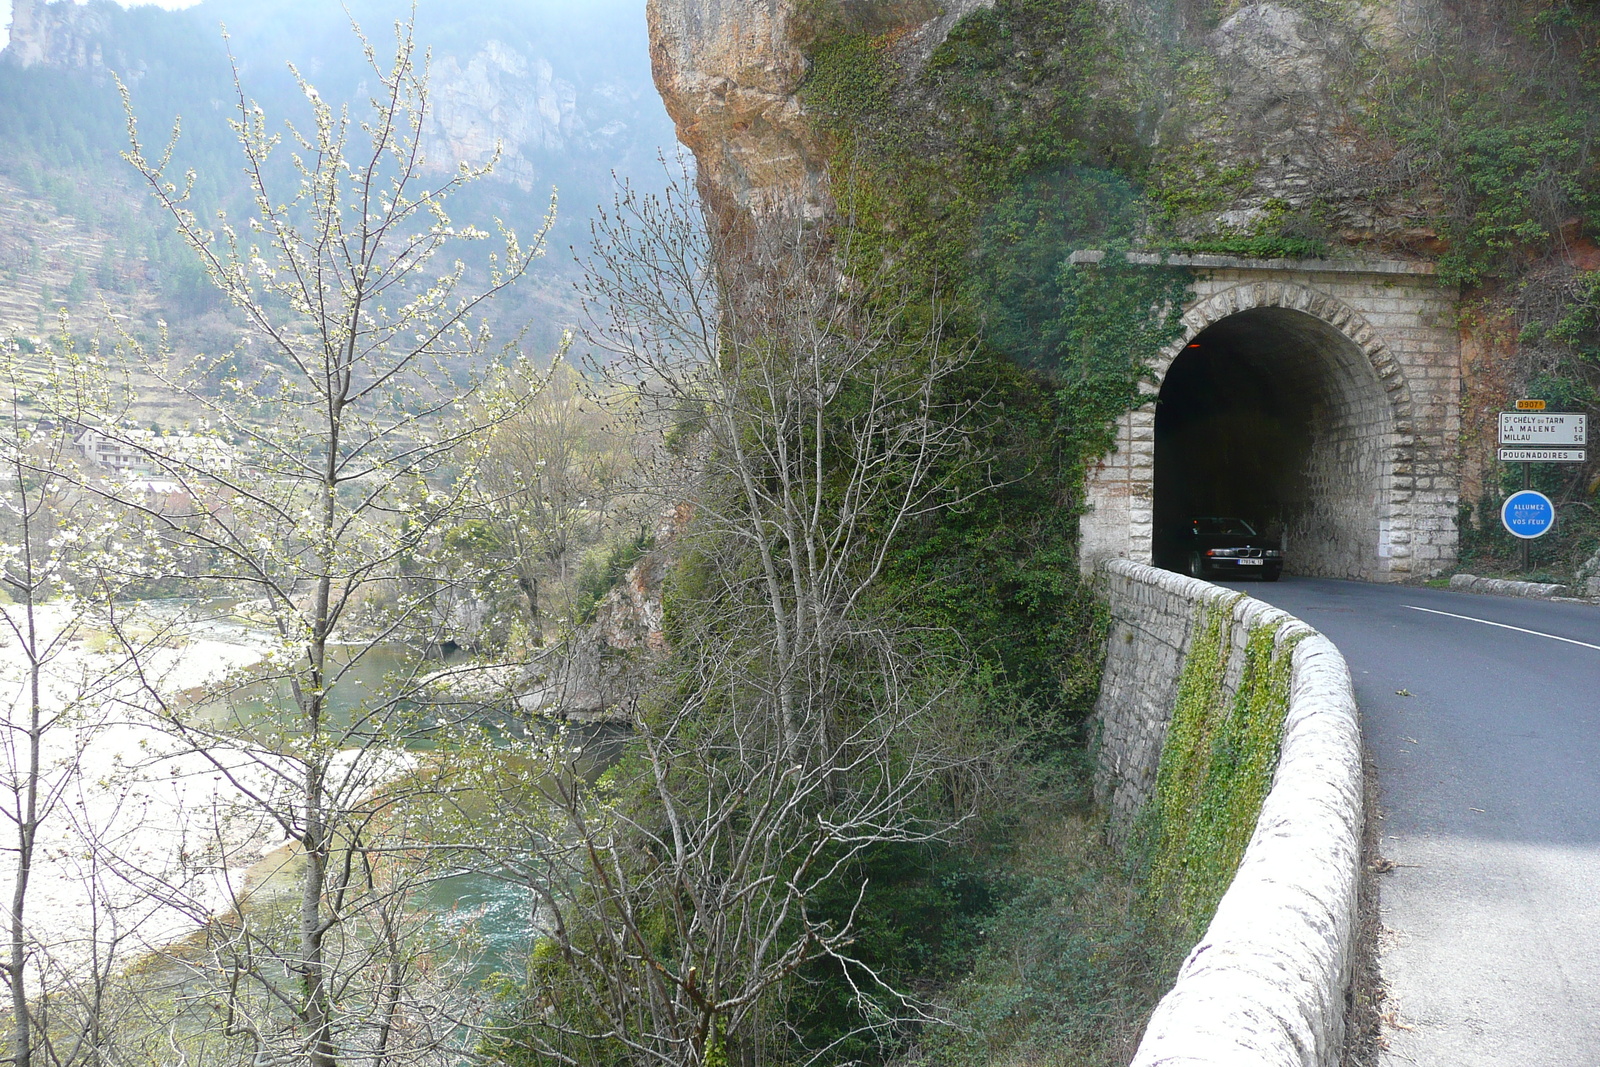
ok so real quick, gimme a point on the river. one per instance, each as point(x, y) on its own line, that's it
point(154, 837)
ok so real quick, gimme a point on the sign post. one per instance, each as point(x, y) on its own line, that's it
point(1537, 436)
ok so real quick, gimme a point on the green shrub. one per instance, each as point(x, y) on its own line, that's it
point(602, 568)
point(1070, 964)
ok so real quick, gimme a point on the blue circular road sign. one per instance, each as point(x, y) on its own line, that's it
point(1528, 514)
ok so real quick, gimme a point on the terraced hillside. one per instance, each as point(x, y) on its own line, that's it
point(50, 260)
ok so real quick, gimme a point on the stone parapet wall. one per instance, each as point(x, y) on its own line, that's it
point(1265, 985)
point(1155, 615)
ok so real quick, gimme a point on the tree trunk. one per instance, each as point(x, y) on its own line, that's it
point(27, 825)
point(317, 1009)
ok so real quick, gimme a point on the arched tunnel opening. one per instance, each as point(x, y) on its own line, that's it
point(1274, 417)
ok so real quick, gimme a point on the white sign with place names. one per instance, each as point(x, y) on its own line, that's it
point(1543, 429)
point(1544, 455)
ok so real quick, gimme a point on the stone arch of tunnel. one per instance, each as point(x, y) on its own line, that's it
point(1275, 416)
point(1323, 400)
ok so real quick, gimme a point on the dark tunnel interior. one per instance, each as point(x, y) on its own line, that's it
point(1259, 418)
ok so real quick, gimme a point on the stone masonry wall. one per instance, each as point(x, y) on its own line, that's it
point(1383, 477)
point(1265, 985)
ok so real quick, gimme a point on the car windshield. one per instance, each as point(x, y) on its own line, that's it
point(1223, 527)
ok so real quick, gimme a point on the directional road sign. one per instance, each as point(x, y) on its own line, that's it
point(1541, 429)
point(1544, 455)
point(1528, 514)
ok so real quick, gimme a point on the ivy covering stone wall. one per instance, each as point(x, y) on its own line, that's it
point(1230, 755)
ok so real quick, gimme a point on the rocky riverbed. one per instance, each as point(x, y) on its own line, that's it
point(139, 841)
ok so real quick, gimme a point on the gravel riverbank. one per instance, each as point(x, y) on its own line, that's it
point(141, 841)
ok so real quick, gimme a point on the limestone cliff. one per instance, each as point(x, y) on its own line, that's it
point(985, 140)
point(500, 97)
point(1258, 101)
point(1274, 108)
point(72, 36)
point(730, 73)
point(58, 35)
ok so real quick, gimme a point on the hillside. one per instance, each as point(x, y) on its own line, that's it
point(563, 93)
point(49, 258)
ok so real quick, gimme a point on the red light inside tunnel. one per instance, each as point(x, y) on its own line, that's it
point(1195, 345)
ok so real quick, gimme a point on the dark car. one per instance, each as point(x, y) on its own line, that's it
point(1221, 547)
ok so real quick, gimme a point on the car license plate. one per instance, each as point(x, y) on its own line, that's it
point(1252, 563)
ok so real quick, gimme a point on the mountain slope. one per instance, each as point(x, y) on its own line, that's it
point(562, 91)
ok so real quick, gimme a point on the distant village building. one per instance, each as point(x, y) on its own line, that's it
point(146, 451)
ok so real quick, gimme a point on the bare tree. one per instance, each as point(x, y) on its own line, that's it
point(316, 487)
point(32, 574)
point(63, 562)
point(795, 727)
point(553, 475)
point(819, 404)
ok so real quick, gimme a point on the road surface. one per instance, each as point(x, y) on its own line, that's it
point(1483, 715)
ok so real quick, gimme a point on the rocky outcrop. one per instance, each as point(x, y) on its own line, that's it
point(1276, 113)
point(500, 100)
point(1273, 113)
point(730, 73)
point(599, 672)
point(58, 35)
point(1260, 100)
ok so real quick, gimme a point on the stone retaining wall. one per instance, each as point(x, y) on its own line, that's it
point(1471, 583)
point(1266, 983)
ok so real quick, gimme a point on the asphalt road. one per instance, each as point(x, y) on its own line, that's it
point(1487, 742)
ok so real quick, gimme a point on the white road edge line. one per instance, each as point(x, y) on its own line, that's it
point(1503, 626)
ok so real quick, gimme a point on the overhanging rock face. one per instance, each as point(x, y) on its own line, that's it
point(1363, 360)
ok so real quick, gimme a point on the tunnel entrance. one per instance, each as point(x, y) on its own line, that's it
point(1273, 416)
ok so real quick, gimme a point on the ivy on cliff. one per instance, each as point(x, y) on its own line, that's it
point(1513, 162)
point(977, 176)
point(1013, 95)
point(1495, 129)
point(983, 171)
